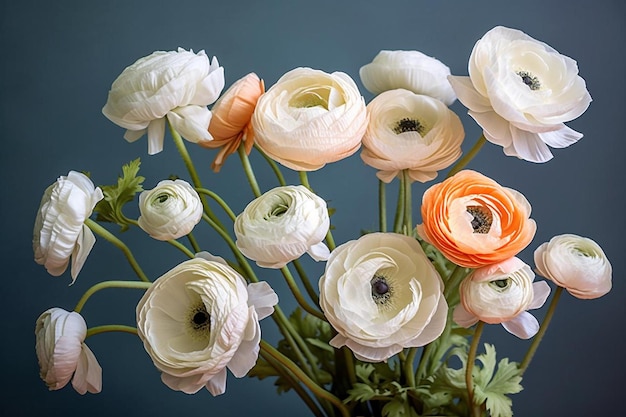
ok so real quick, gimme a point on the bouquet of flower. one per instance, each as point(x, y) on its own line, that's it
point(393, 325)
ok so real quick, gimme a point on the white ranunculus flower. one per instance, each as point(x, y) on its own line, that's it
point(521, 92)
point(310, 118)
point(62, 353)
point(177, 85)
point(501, 293)
point(413, 132)
point(200, 318)
point(410, 70)
point(60, 231)
point(382, 294)
point(169, 210)
point(576, 263)
point(282, 225)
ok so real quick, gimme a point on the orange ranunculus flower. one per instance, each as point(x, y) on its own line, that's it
point(474, 221)
point(232, 113)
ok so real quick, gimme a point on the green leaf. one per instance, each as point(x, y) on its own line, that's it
point(399, 407)
point(109, 209)
point(360, 393)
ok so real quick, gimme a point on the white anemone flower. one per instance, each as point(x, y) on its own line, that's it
point(521, 92)
point(170, 210)
point(200, 318)
point(177, 85)
point(576, 263)
point(382, 294)
point(501, 293)
point(281, 225)
point(413, 132)
point(409, 70)
point(62, 353)
point(310, 118)
point(60, 231)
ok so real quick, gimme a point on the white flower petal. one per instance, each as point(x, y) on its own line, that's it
point(262, 297)
point(88, 376)
point(523, 326)
point(84, 244)
point(192, 122)
point(217, 384)
point(464, 318)
point(541, 292)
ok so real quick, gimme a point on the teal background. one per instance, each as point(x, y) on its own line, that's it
point(58, 61)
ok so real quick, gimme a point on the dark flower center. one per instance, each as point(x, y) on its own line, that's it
point(162, 198)
point(381, 290)
point(530, 80)
point(408, 125)
point(500, 284)
point(200, 319)
point(482, 219)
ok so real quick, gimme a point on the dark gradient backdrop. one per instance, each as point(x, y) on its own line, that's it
point(58, 61)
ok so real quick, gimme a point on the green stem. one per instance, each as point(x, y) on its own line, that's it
point(304, 180)
point(408, 215)
point(98, 229)
point(193, 242)
point(245, 162)
point(468, 156)
point(298, 295)
point(110, 328)
point(397, 223)
point(219, 201)
point(542, 331)
point(182, 150)
point(273, 165)
point(109, 284)
point(181, 247)
point(409, 367)
point(382, 206)
point(293, 382)
point(305, 281)
point(471, 358)
point(453, 281)
point(317, 390)
point(424, 361)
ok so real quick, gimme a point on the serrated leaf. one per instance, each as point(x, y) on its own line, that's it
point(109, 209)
point(360, 392)
point(399, 407)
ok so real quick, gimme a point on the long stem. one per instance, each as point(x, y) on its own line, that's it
point(182, 150)
point(467, 157)
point(245, 162)
point(97, 228)
point(111, 328)
point(305, 281)
point(542, 331)
point(298, 295)
point(382, 206)
point(274, 166)
point(193, 242)
point(408, 215)
point(471, 358)
point(397, 223)
point(181, 247)
point(409, 367)
point(109, 284)
point(219, 201)
point(310, 384)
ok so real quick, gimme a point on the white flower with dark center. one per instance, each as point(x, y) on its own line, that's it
point(177, 85)
point(170, 210)
point(62, 352)
point(60, 231)
point(282, 225)
point(382, 294)
point(199, 319)
point(409, 70)
point(501, 293)
point(411, 132)
point(310, 118)
point(576, 263)
point(521, 92)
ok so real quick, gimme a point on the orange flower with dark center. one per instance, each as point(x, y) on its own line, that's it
point(230, 123)
point(474, 221)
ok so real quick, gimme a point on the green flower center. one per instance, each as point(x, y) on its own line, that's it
point(500, 284)
point(530, 80)
point(482, 219)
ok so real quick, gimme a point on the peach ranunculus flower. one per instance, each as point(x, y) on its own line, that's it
point(576, 263)
point(474, 221)
point(310, 118)
point(410, 131)
point(410, 70)
point(231, 121)
point(521, 92)
point(501, 294)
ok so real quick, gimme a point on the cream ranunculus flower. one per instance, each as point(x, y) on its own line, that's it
point(576, 263)
point(382, 294)
point(282, 225)
point(60, 231)
point(170, 210)
point(413, 132)
point(501, 293)
point(410, 70)
point(310, 118)
point(173, 84)
point(199, 319)
point(521, 91)
point(62, 353)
